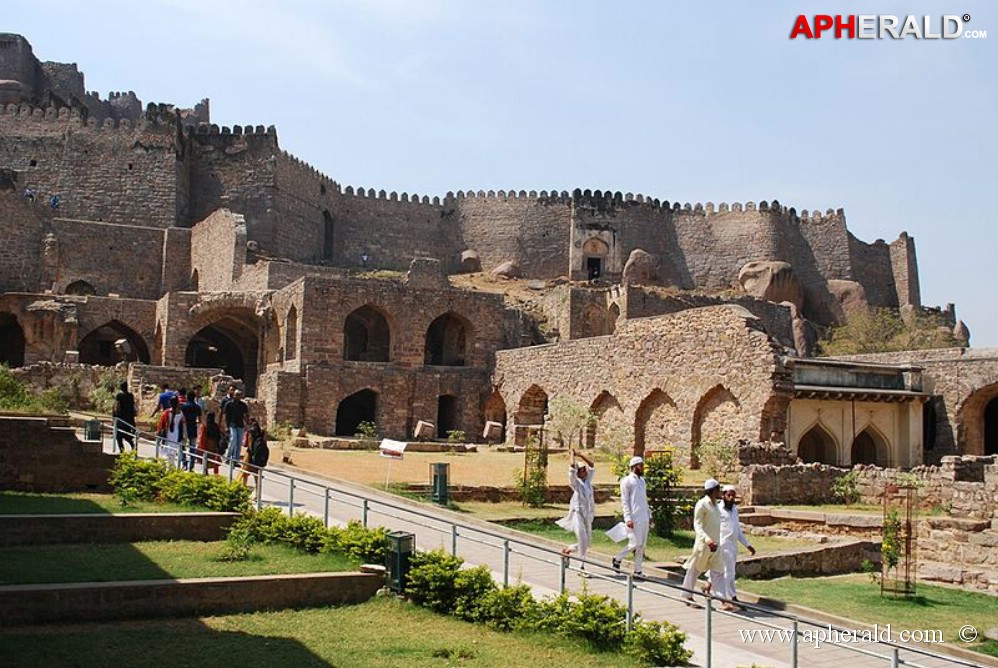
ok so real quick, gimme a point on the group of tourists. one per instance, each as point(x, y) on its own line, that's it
point(716, 527)
point(189, 426)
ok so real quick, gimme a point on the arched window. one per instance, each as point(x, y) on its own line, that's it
point(80, 288)
point(358, 407)
point(448, 341)
point(291, 334)
point(366, 336)
point(817, 445)
point(869, 448)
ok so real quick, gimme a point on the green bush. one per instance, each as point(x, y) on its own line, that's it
point(717, 458)
point(153, 479)
point(471, 586)
point(367, 429)
point(509, 608)
point(15, 396)
point(366, 544)
point(845, 489)
point(305, 533)
point(432, 578)
point(596, 619)
point(138, 479)
point(662, 476)
point(263, 526)
point(657, 644)
point(104, 392)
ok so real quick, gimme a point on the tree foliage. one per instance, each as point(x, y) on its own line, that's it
point(881, 330)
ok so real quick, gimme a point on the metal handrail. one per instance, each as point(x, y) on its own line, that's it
point(454, 526)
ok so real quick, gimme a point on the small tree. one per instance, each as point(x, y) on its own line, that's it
point(532, 482)
point(662, 476)
point(567, 421)
point(717, 457)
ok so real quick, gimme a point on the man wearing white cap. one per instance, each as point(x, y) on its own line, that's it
point(707, 527)
point(581, 508)
point(731, 535)
point(637, 517)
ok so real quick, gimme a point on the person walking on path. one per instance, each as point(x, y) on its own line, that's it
point(731, 536)
point(637, 517)
point(192, 417)
point(209, 438)
point(257, 450)
point(123, 413)
point(582, 507)
point(236, 415)
point(707, 529)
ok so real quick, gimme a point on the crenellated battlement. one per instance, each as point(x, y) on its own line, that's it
point(393, 196)
point(63, 116)
point(304, 166)
point(238, 130)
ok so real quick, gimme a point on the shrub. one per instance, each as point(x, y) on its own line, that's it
point(657, 644)
point(237, 545)
point(16, 396)
point(456, 436)
point(845, 488)
point(105, 390)
point(661, 477)
point(431, 580)
point(367, 545)
point(717, 457)
point(597, 619)
point(138, 479)
point(195, 489)
point(509, 608)
point(471, 586)
point(367, 430)
point(532, 482)
point(304, 532)
point(281, 431)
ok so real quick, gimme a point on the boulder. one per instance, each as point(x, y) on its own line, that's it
point(848, 299)
point(508, 269)
point(426, 272)
point(772, 281)
point(641, 268)
point(961, 333)
point(470, 262)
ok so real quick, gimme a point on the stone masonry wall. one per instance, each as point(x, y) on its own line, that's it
point(20, 254)
point(697, 375)
point(218, 250)
point(113, 174)
point(305, 200)
point(37, 458)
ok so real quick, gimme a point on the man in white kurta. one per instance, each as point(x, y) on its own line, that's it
point(582, 507)
point(731, 536)
point(707, 527)
point(637, 517)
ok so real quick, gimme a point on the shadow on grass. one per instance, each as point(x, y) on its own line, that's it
point(184, 642)
point(27, 503)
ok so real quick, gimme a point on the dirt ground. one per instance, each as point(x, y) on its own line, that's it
point(487, 467)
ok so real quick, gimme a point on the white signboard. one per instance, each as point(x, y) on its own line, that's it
point(392, 449)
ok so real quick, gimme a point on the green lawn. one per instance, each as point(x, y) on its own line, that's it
point(27, 503)
point(383, 632)
point(855, 597)
point(154, 560)
point(676, 548)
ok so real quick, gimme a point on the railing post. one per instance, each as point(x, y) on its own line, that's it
point(232, 469)
point(453, 540)
point(157, 447)
point(895, 659)
point(363, 512)
point(505, 563)
point(709, 607)
point(180, 457)
point(291, 497)
point(562, 568)
point(114, 435)
point(793, 647)
point(630, 601)
point(259, 489)
point(325, 508)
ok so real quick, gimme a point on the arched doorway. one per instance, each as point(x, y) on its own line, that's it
point(447, 414)
point(611, 321)
point(869, 448)
point(231, 343)
point(366, 336)
point(655, 423)
point(112, 343)
point(991, 427)
point(609, 419)
point(195, 281)
point(594, 252)
point(11, 341)
point(817, 445)
point(291, 334)
point(358, 407)
point(448, 341)
point(713, 419)
point(80, 288)
point(495, 411)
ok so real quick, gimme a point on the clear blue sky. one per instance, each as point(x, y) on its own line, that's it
point(681, 101)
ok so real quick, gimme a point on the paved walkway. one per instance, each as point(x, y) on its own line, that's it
point(536, 562)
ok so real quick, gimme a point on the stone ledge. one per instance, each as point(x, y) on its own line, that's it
point(112, 528)
point(100, 601)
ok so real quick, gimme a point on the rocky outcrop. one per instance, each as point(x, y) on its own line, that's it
point(772, 281)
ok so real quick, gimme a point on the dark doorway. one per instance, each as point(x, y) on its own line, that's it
point(594, 267)
point(929, 423)
point(112, 343)
point(817, 445)
point(80, 288)
point(446, 414)
point(358, 407)
point(366, 336)
point(867, 448)
point(447, 341)
point(11, 341)
point(230, 345)
point(328, 247)
point(991, 427)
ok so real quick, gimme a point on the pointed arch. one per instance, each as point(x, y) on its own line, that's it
point(366, 335)
point(111, 343)
point(449, 341)
point(231, 340)
point(609, 418)
point(870, 447)
point(195, 281)
point(291, 334)
point(495, 411)
point(977, 421)
point(80, 288)
point(818, 445)
point(656, 422)
point(612, 318)
point(533, 407)
point(717, 417)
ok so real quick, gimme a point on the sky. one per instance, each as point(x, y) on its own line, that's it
point(688, 102)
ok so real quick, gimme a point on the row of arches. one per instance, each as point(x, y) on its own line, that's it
point(657, 421)
point(867, 447)
point(367, 337)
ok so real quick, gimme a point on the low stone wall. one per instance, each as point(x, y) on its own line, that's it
point(829, 559)
point(75, 382)
point(959, 551)
point(555, 493)
point(804, 521)
point(802, 483)
point(100, 601)
point(372, 445)
point(37, 457)
point(113, 528)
